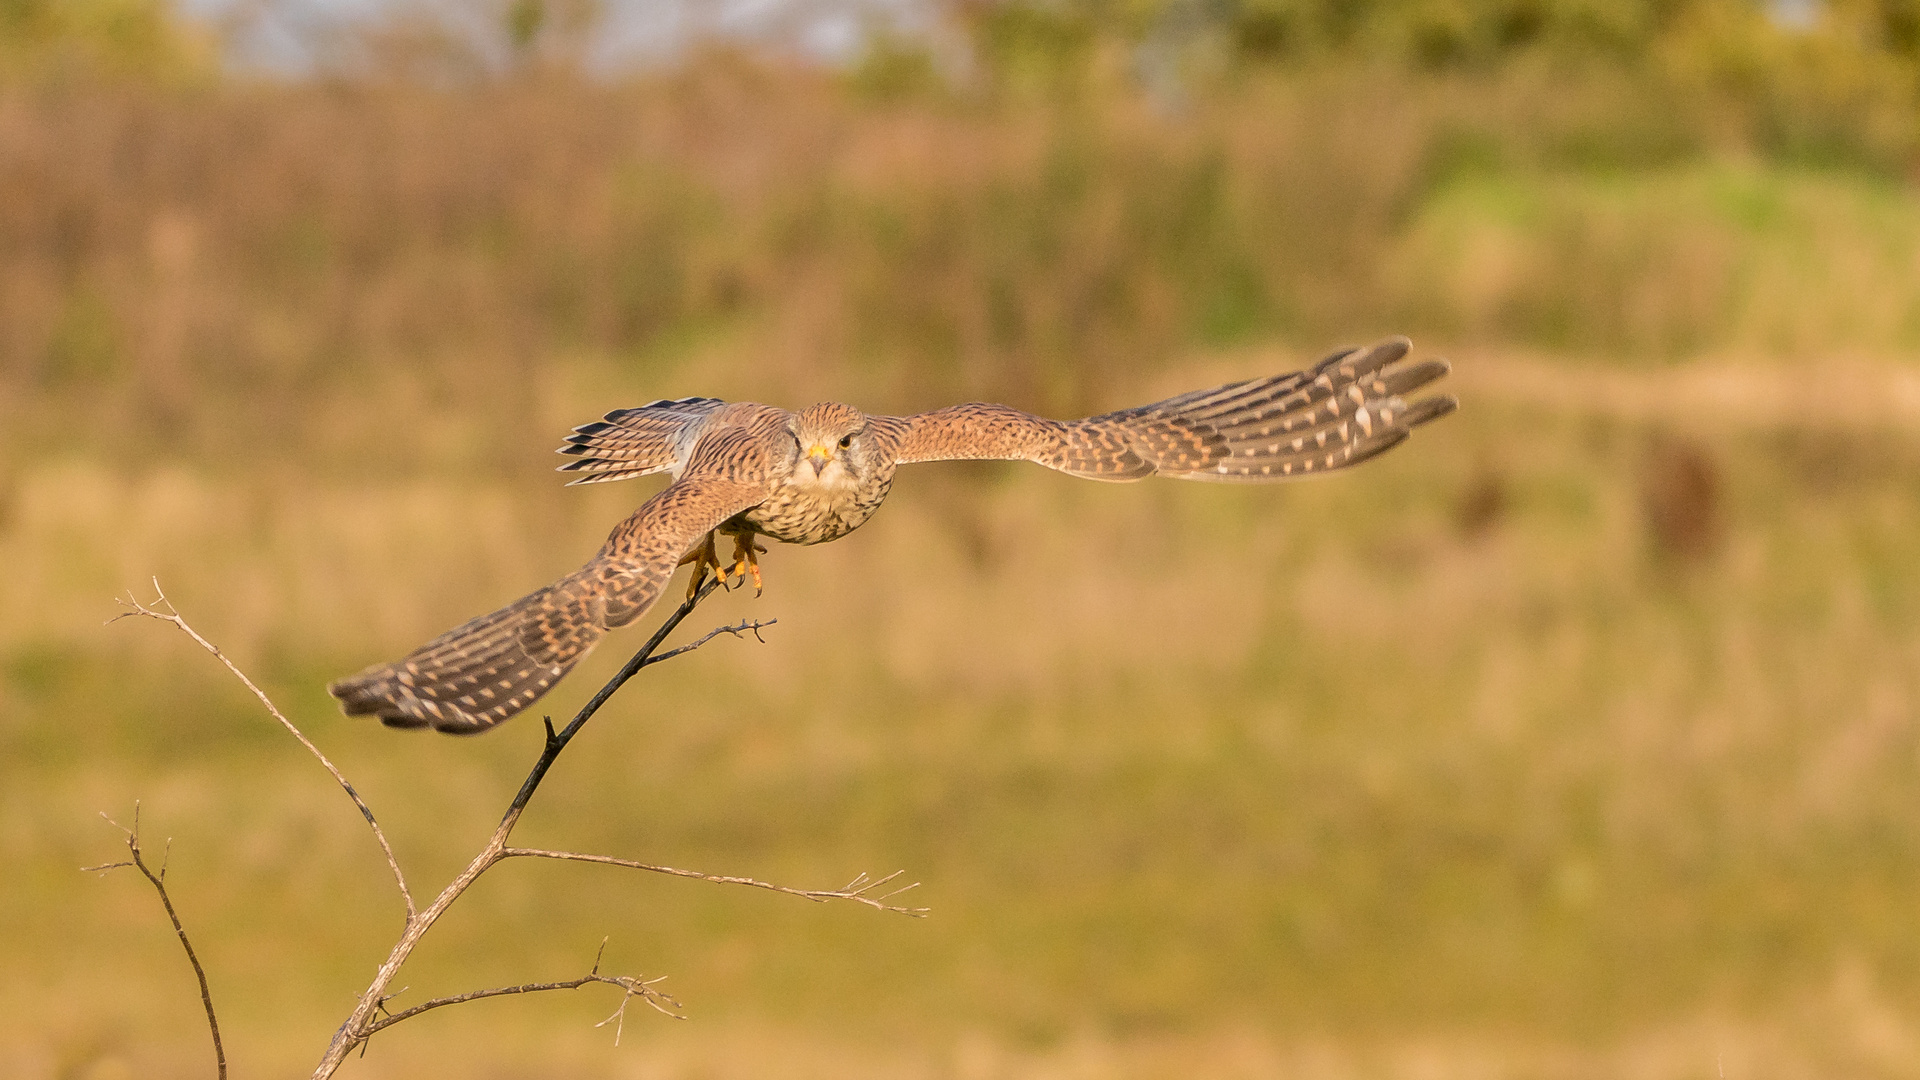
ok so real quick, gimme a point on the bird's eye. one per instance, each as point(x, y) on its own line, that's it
point(846, 441)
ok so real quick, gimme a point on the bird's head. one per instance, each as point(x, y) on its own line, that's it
point(832, 451)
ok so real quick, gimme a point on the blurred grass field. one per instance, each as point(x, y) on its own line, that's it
point(1573, 739)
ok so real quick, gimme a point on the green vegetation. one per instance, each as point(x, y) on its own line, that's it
point(46, 41)
point(1575, 738)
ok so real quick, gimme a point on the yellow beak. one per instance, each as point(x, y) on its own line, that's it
point(820, 454)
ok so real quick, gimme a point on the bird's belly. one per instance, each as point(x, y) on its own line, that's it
point(798, 516)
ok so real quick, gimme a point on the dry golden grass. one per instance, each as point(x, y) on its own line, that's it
point(1186, 770)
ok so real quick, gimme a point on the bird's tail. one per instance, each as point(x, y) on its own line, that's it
point(482, 671)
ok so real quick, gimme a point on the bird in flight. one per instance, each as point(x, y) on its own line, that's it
point(747, 471)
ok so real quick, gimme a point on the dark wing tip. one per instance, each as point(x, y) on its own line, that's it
point(617, 415)
point(356, 694)
point(1370, 448)
point(1376, 356)
point(603, 477)
point(1415, 376)
point(368, 694)
point(455, 725)
point(1427, 409)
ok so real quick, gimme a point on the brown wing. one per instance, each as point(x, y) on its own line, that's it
point(1343, 410)
point(481, 672)
point(637, 442)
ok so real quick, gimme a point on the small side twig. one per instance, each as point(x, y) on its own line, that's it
point(172, 615)
point(860, 890)
point(370, 1014)
point(634, 987)
point(159, 880)
point(557, 741)
point(362, 1022)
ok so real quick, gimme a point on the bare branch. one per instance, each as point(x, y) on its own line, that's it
point(557, 741)
point(744, 627)
point(370, 1014)
point(647, 993)
point(640, 988)
point(859, 890)
point(172, 615)
point(159, 881)
point(362, 1023)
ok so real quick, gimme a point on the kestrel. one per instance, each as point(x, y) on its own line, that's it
point(807, 477)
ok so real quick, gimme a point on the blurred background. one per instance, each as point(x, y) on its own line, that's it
point(1575, 738)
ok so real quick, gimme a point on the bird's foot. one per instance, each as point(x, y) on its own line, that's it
point(746, 561)
point(702, 556)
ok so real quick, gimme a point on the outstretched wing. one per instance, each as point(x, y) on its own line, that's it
point(1342, 411)
point(481, 672)
point(637, 442)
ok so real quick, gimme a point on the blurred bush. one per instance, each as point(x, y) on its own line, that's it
point(61, 40)
point(1036, 220)
point(1821, 80)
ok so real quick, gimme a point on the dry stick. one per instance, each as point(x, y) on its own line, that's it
point(160, 884)
point(172, 615)
point(557, 743)
point(640, 988)
point(856, 890)
point(362, 1024)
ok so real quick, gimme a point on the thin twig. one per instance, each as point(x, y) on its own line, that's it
point(858, 890)
point(557, 741)
point(634, 988)
point(370, 1014)
point(640, 988)
point(159, 881)
point(172, 615)
point(362, 1023)
point(745, 626)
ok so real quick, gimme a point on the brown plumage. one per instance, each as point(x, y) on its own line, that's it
point(749, 470)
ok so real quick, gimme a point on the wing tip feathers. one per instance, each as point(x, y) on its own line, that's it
point(370, 694)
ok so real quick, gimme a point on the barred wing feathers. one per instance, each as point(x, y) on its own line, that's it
point(486, 670)
point(626, 443)
point(1342, 411)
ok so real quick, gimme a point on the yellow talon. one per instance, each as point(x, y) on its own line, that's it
point(702, 556)
point(745, 560)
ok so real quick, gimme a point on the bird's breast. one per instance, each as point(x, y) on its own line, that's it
point(797, 514)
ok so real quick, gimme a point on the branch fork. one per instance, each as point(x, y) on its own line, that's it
point(370, 1013)
point(137, 860)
